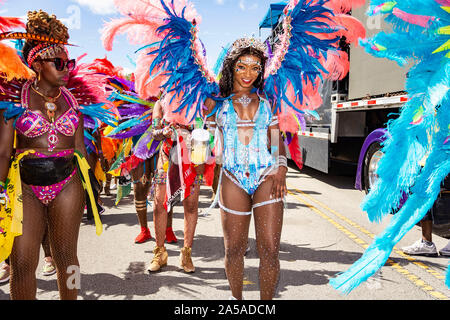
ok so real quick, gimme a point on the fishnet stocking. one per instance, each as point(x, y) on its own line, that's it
point(25, 252)
point(268, 224)
point(46, 244)
point(63, 216)
point(159, 212)
point(235, 233)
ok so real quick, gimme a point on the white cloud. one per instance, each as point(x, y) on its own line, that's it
point(242, 5)
point(127, 70)
point(220, 2)
point(245, 7)
point(101, 7)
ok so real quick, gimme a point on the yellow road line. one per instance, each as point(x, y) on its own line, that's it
point(401, 270)
point(428, 269)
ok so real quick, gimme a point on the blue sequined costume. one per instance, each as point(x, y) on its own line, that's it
point(247, 164)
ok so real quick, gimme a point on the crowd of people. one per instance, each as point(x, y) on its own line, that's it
point(54, 135)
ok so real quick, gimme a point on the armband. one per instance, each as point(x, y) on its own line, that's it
point(156, 122)
point(282, 161)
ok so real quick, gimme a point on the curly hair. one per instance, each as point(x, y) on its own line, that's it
point(41, 23)
point(227, 80)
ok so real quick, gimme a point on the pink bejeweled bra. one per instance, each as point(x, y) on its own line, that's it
point(32, 124)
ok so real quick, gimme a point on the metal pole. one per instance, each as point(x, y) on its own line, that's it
point(271, 26)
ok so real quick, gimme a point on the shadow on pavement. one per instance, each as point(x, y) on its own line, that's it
point(344, 182)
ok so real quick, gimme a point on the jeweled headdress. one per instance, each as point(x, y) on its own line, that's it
point(242, 43)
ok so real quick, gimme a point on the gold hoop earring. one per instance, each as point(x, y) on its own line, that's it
point(36, 80)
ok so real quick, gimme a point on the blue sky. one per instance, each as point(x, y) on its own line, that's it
point(223, 21)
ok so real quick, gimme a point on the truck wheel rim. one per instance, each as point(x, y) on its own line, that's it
point(373, 166)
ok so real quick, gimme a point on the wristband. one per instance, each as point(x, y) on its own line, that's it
point(156, 122)
point(158, 132)
point(3, 185)
point(282, 161)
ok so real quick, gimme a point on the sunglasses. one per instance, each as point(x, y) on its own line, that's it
point(60, 64)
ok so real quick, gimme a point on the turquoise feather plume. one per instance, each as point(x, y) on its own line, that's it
point(423, 194)
point(421, 129)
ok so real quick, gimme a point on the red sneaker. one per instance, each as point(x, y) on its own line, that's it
point(170, 236)
point(143, 236)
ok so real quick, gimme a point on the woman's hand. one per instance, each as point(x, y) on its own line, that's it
point(157, 134)
point(163, 133)
point(279, 188)
point(167, 132)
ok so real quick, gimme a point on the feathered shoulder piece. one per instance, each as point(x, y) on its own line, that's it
point(13, 72)
point(10, 99)
point(420, 36)
point(308, 52)
point(106, 67)
point(11, 64)
point(175, 61)
point(133, 113)
point(173, 58)
point(90, 90)
point(416, 151)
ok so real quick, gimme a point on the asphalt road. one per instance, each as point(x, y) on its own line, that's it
point(324, 232)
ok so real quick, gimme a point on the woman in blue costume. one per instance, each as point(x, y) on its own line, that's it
point(252, 180)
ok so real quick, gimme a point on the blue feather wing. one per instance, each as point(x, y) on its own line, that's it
point(301, 63)
point(422, 128)
point(95, 115)
point(176, 56)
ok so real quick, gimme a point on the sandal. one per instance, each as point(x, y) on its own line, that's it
point(49, 267)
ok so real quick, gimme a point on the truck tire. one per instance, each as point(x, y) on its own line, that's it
point(373, 156)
